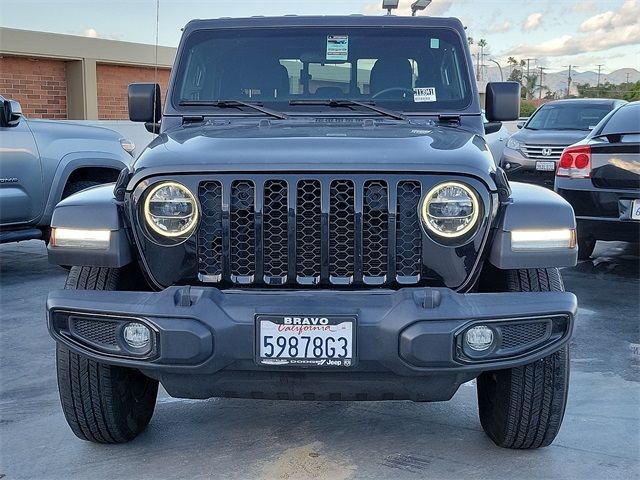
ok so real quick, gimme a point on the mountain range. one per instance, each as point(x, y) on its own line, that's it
point(557, 81)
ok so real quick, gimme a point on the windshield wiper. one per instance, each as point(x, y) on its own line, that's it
point(232, 104)
point(350, 103)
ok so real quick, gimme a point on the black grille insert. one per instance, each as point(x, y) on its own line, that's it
point(375, 235)
point(408, 233)
point(210, 232)
point(276, 229)
point(242, 231)
point(308, 230)
point(303, 231)
point(342, 230)
point(97, 332)
point(520, 334)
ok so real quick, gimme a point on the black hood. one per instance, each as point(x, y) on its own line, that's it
point(317, 146)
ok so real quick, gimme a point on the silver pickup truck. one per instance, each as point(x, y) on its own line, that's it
point(44, 161)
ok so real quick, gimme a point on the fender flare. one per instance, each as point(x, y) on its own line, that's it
point(92, 209)
point(69, 164)
point(532, 207)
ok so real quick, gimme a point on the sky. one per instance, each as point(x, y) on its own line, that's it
point(554, 32)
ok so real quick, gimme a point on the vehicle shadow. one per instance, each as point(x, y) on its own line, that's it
point(615, 258)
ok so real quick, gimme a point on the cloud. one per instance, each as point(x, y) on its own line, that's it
point(627, 14)
point(572, 45)
point(501, 27)
point(90, 32)
point(581, 7)
point(532, 22)
point(438, 7)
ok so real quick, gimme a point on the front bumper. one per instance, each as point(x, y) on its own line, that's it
point(523, 169)
point(408, 341)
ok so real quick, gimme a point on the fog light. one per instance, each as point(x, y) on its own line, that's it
point(136, 335)
point(479, 338)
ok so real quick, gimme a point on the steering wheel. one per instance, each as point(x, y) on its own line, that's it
point(392, 89)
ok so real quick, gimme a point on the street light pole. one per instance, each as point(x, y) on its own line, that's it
point(499, 67)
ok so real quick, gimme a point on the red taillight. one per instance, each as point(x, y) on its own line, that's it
point(575, 162)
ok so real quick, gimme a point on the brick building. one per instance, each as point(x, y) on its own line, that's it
point(71, 77)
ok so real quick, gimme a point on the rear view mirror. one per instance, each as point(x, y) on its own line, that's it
point(11, 113)
point(519, 125)
point(502, 101)
point(145, 105)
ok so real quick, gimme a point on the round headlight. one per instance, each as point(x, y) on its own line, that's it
point(171, 210)
point(450, 209)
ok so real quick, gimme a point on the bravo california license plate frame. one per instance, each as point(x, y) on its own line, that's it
point(314, 326)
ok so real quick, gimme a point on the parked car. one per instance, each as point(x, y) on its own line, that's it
point(496, 135)
point(44, 161)
point(532, 154)
point(276, 242)
point(600, 178)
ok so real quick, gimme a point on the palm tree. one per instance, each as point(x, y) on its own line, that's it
point(470, 40)
point(530, 82)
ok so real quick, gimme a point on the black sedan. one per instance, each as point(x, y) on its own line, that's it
point(600, 177)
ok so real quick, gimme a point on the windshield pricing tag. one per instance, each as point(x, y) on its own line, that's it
point(424, 94)
point(337, 47)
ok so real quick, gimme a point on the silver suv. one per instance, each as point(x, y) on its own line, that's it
point(532, 154)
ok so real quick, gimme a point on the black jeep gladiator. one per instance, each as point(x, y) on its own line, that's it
point(319, 218)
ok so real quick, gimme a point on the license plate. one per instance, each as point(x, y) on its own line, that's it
point(546, 166)
point(635, 210)
point(305, 341)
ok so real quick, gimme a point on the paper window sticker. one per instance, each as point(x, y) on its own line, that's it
point(337, 47)
point(424, 94)
point(435, 43)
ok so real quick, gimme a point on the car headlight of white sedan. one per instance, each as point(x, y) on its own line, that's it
point(514, 144)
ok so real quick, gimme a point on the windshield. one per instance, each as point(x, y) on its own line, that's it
point(568, 116)
point(405, 69)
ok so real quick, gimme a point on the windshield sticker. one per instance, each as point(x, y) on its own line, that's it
point(337, 47)
point(424, 94)
point(435, 43)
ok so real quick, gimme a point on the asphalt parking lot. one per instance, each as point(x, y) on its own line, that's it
point(224, 438)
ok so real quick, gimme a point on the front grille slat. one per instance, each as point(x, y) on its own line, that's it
point(375, 220)
point(275, 231)
point(408, 233)
point(242, 231)
point(210, 232)
point(296, 230)
point(342, 231)
point(308, 231)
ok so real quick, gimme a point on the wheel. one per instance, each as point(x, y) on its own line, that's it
point(523, 407)
point(585, 247)
point(75, 187)
point(102, 403)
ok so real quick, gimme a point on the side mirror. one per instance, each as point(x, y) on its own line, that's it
point(492, 127)
point(11, 113)
point(502, 101)
point(519, 125)
point(145, 105)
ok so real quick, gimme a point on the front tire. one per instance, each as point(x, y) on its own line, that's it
point(102, 403)
point(523, 407)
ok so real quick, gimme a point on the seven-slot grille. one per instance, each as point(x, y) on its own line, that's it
point(305, 231)
point(543, 152)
